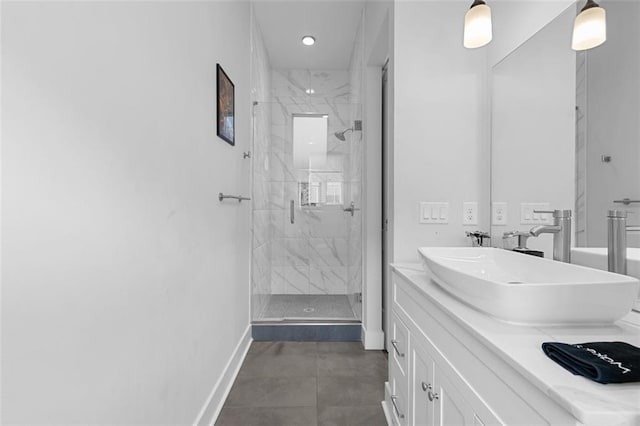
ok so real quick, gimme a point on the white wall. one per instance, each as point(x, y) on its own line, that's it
point(125, 281)
point(440, 138)
point(533, 127)
point(378, 34)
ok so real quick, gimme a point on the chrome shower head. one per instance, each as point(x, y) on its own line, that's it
point(357, 126)
point(340, 135)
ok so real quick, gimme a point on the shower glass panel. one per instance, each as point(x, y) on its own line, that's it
point(306, 262)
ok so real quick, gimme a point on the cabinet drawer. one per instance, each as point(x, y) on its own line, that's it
point(399, 344)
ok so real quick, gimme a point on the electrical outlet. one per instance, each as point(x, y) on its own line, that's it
point(528, 215)
point(434, 213)
point(499, 213)
point(470, 213)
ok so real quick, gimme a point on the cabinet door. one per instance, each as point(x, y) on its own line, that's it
point(399, 343)
point(452, 408)
point(422, 381)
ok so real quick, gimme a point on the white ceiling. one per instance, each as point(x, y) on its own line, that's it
point(333, 24)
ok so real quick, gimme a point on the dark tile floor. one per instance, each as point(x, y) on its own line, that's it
point(307, 384)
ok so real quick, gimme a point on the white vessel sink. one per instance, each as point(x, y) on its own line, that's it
point(530, 290)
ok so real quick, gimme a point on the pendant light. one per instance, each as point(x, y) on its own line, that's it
point(477, 25)
point(590, 27)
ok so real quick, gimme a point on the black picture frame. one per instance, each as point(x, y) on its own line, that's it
point(225, 101)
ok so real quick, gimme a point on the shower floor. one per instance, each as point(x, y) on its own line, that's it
point(306, 307)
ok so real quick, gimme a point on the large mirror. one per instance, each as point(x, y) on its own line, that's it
point(566, 131)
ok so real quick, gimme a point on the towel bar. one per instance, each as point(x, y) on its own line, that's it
point(240, 198)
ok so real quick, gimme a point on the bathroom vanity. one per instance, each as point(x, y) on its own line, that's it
point(452, 364)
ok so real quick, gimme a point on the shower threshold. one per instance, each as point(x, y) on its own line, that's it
point(308, 331)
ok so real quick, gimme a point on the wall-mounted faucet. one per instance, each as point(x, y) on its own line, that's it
point(561, 230)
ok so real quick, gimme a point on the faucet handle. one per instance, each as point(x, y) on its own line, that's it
point(510, 234)
point(522, 237)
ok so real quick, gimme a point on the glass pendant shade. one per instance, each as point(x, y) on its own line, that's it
point(477, 26)
point(590, 28)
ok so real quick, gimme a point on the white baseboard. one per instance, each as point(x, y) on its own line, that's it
point(372, 340)
point(212, 407)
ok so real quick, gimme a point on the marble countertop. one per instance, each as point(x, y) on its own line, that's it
point(589, 402)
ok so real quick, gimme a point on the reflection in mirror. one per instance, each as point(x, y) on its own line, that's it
point(608, 127)
point(566, 133)
point(533, 132)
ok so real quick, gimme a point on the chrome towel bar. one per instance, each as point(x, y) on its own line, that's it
point(626, 201)
point(240, 198)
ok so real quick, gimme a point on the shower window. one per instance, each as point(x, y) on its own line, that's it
point(310, 141)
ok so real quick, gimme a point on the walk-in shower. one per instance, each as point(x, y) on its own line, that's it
point(307, 155)
point(307, 242)
point(306, 239)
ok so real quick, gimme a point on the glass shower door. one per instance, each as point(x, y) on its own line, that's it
point(315, 245)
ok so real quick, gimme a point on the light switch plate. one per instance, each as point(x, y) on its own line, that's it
point(499, 214)
point(434, 213)
point(529, 217)
point(470, 213)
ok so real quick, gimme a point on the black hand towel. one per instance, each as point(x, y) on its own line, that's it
point(602, 362)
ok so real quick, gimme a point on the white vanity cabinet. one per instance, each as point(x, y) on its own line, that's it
point(421, 392)
point(440, 374)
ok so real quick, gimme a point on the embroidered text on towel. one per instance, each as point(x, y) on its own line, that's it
point(605, 358)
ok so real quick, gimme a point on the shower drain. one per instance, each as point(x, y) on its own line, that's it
point(307, 310)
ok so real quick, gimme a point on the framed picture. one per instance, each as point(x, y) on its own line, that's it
point(226, 115)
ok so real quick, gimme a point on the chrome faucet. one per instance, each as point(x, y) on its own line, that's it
point(617, 241)
point(479, 238)
point(561, 230)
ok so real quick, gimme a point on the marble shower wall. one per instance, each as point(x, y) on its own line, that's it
point(312, 255)
point(262, 242)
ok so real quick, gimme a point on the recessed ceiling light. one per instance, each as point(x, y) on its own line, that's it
point(308, 40)
point(310, 91)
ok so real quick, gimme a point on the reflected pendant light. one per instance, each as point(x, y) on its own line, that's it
point(590, 27)
point(477, 25)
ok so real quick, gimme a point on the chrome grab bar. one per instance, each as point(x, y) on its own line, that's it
point(626, 201)
point(240, 198)
point(395, 407)
point(394, 343)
